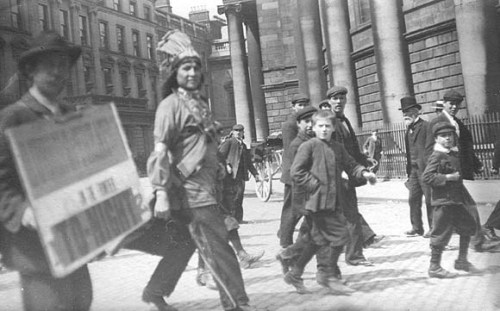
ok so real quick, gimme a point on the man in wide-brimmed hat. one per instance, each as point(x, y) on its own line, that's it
point(46, 65)
point(419, 143)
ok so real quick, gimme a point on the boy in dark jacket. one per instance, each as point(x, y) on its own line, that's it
point(448, 196)
point(317, 170)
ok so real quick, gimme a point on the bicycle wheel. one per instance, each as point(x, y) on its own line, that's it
point(263, 187)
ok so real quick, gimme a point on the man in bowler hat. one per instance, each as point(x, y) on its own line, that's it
point(419, 142)
point(46, 65)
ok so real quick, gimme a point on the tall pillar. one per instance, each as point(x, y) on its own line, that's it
point(299, 51)
point(309, 19)
point(239, 68)
point(339, 47)
point(99, 87)
point(478, 45)
point(256, 80)
point(391, 53)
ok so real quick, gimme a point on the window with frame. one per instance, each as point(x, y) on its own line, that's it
point(84, 35)
point(15, 14)
point(135, 43)
point(43, 16)
point(133, 8)
point(108, 79)
point(103, 35)
point(120, 38)
point(147, 13)
point(150, 47)
point(117, 5)
point(63, 18)
point(364, 11)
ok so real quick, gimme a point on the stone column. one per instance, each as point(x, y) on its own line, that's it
point(391, 53)
point(309, 19)
point(99, 87)
point(339, 48)
point(256, 80)
point(479, 48)
point(74, 10)
point(299, 51)
point(241, 83)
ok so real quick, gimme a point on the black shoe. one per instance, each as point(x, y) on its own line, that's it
point(487, 246)
point(157, 300)
point(441, 273)
point(413, 233)
point(285, 263)
point(490, 234)
point(297, 282)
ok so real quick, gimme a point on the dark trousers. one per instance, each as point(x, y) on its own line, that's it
point(43, 292)
point(289, 218)
point(494, 219)
point(210, 237)
point(359, 230)
point(417, 189)
point(234, 190)
point(447, 219)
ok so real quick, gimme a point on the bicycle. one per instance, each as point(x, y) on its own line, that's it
point(267, 160)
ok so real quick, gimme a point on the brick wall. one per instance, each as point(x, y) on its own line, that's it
point(278, 58)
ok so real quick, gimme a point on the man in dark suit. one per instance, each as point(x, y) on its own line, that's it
point(469, 162)
point(419, 145)
point(238, 163)
point(360, 233)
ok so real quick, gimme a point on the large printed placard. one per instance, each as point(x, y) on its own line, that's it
point(82, 183)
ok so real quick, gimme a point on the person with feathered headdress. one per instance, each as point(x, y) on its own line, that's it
point(184, 171)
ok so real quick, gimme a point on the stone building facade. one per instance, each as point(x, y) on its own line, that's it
point(119, 62)
point(380, 50)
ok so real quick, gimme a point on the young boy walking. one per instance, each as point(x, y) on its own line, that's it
point(316, 172)
point(443, 175)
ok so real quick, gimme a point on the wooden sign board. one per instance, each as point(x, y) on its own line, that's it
point(81, 180)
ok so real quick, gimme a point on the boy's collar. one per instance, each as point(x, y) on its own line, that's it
point(439, 147)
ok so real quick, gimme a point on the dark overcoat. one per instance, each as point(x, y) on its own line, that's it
point(469, 162)
point(317, 173)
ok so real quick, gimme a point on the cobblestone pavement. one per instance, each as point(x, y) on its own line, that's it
point(397, 281)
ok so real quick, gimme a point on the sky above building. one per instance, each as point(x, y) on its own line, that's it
point(183, 7)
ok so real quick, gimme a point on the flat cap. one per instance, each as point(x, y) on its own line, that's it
point(334, 90)
point(453, 96)
point(238, 127)
point(325, 103)
point(408, 102)
point(443, 127)
point(306, 112)
point(300, 97)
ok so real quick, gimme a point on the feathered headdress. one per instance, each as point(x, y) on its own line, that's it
point(178, 47)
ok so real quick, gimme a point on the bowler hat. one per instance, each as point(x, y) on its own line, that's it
point(334, 90)
point(238, 127)
point(408, 102)
point(306, 112)
point(443, 127)
point(453, 96)
point(300, 97)
point(48, 42)
point(324, 103)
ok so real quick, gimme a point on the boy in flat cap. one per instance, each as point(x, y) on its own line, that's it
point(289, 216)
point(47, 66)
point(469, 162)
point(419, 143)
point(289, 131)
point(443, 175)
point(360, 233)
